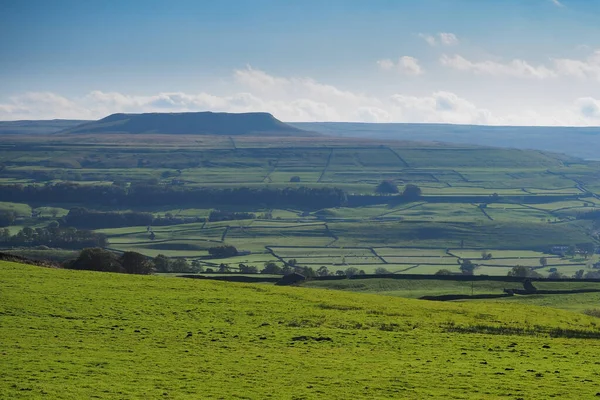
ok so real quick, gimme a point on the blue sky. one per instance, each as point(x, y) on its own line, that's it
point(525, 62)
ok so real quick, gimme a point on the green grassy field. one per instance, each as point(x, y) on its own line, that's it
point(69, 334)
point(546, 193)
point(416, 288)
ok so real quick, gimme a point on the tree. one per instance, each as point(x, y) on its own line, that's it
point(587, 249)
point(197, 266)
point(181, 265)
point(543, 262)
point(247, 269)
point(136, 263)
point(411, 192)
point(223, 251)
point(323, 271)
point(4, 235)
point(444, 272)
point(97, 259)
point(362, 272)
point(579, 274)
point(308, 272)
point(351, 271)
point(162, 263)
point(520, 271)
point(381, 271)
point(295, 179)
point(556, 275)
point(7, 218)
point(286, 270)
point(271, 268)
point(386, 187)
point(485, 255)
point(467, 267)
point(339, 272)
point(592, 275)
point(224, 268)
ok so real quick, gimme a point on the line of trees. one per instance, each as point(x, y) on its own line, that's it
point(218, 215)
point(410, 191)
point(80, 217)
point(157, 195)
point(53, 236)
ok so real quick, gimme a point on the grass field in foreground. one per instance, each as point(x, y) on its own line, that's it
point(69, 334)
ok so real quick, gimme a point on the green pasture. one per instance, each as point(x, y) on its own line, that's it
point(70, 334)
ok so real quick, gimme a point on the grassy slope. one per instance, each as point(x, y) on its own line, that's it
point(69, 334)
point(418, 288)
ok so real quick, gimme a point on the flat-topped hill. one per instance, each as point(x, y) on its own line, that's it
point(193, 123)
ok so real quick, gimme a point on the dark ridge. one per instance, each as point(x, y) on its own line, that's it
point(197, 123)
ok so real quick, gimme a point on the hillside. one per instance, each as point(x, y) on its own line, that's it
point(574, 141)
point(69, 334)
point(198, 123)
point(38, 127)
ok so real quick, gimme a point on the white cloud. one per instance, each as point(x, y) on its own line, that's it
point(385, 64)
point(443, 38)
point(557, 3)
point(440, 107)
point(514, 68)
point(588, 108)
point(298, 99)
point(588, 68)
point(431, 40)
point(448, 39)
point(406, 65)
point(409, 66)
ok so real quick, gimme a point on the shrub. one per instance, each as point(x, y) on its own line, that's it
point(386, 187)
point(411, 191)
point(223, 251)
point(444, 272)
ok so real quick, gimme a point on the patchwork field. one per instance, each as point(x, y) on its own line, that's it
point(476, 198)
point(71, 334)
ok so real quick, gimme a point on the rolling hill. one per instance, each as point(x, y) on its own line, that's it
point(580, 142)
point(197, 123)
point(38, 127)
point(74, 334)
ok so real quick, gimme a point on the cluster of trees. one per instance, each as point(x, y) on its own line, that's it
point(410, 191)
point(97, 259)
point(53, 236)
point(527, 272)
point(141, 194)
point(223, 251)
point(218, 215)
point(164, 264)
point(292, 266)
point(80, 217)
point(7, 218)
point(593, 215)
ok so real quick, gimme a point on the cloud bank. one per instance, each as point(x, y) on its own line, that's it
point(305, 99)
point(588, 68)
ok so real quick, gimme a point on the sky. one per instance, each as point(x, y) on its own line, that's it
point(485, 62)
